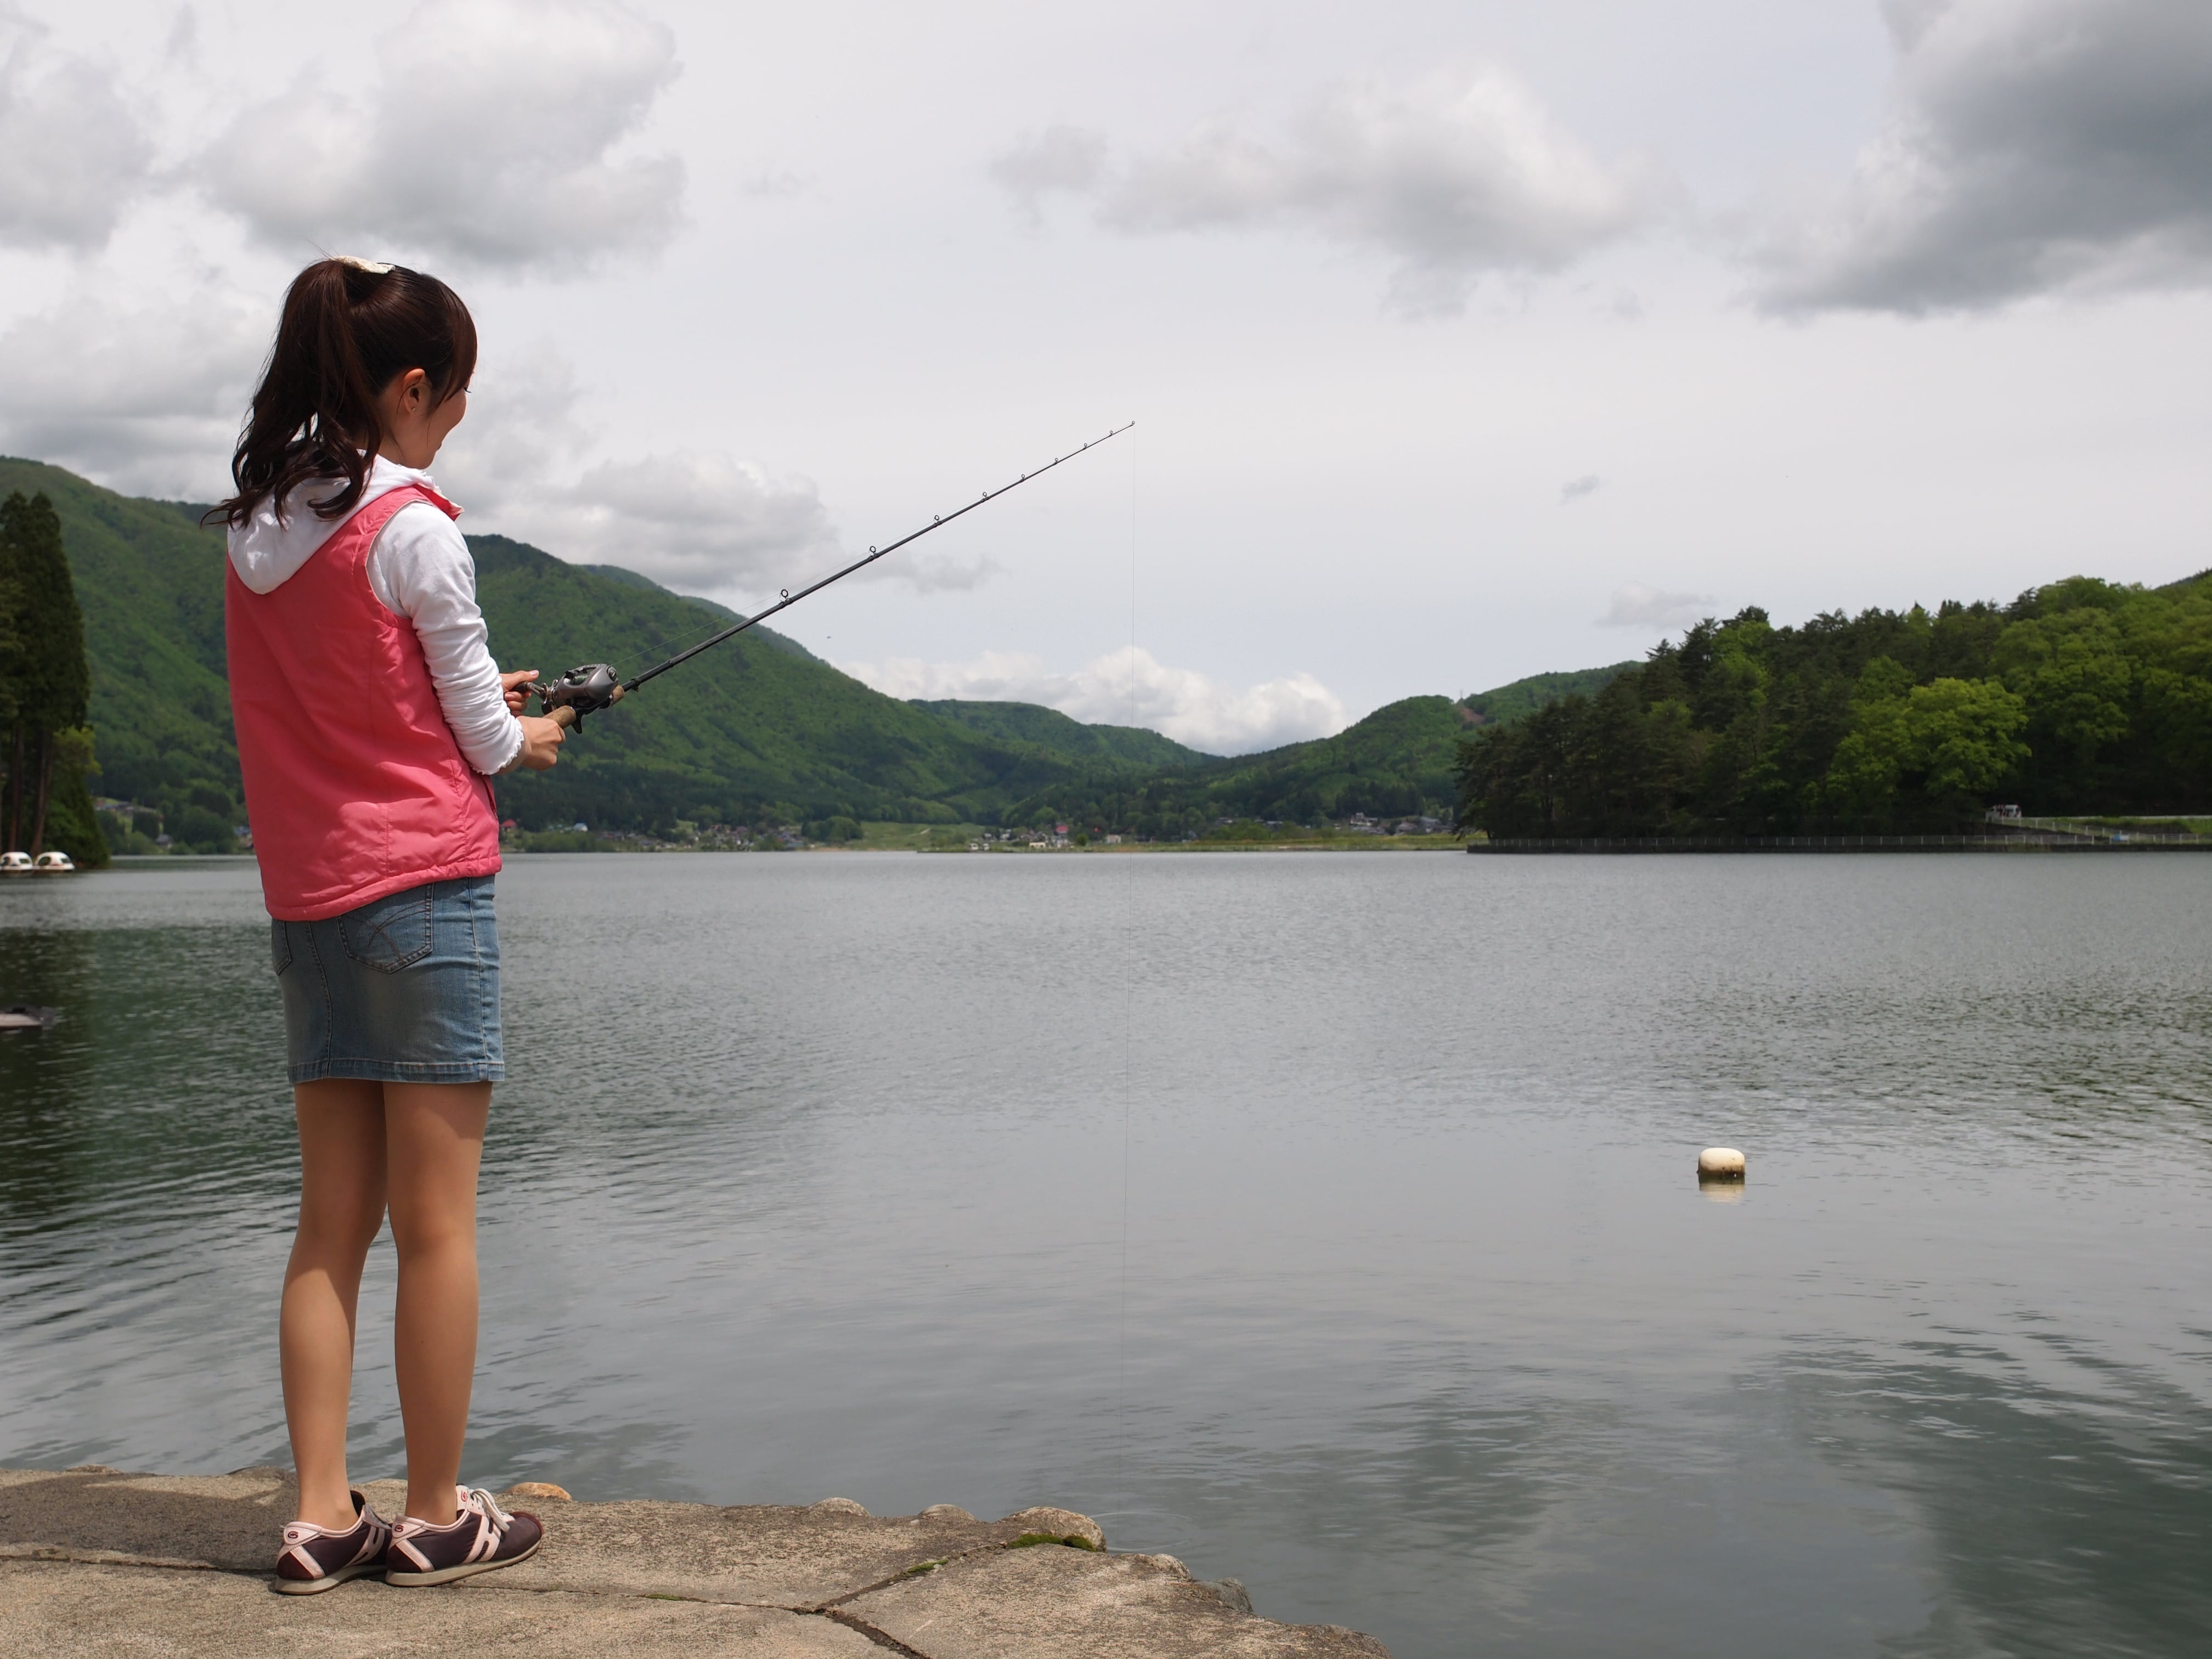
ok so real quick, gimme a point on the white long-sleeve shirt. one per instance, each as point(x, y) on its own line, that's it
point(419, 568)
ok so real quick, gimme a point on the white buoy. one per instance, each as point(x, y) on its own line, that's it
point(1720, 1164)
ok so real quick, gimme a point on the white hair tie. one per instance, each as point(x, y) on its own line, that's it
point(368, 265)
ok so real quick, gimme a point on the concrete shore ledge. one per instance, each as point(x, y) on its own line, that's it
point(96, 1561)
point(2028, 843)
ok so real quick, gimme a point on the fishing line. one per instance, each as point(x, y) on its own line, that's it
point(1128, 1011)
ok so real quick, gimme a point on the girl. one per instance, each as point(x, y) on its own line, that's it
point(370, 715)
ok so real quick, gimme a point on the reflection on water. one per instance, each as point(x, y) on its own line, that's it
point(1325, 1220)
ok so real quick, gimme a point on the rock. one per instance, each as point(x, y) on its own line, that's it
point(1059, 1526)
point(947, 1512)
point(1720, 1164)
point(71, 1610)
point(1230, 1590)
point(543, 1491)
point(1080, 1604)
point(837, 1506)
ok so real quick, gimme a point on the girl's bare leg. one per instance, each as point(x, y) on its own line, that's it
point(434, 1140)
point(342, 1153)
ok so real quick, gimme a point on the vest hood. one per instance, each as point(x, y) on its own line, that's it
point(267, 553)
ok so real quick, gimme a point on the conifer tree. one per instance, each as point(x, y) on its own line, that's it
point(47, 678)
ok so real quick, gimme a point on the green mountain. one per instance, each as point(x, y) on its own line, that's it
point(1060, 735)
point(1523, 698)
point(2082, 697)
point(1398, 760)
point(149, 583)
point(758, 729)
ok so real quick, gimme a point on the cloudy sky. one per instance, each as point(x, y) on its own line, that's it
point(1465, 340)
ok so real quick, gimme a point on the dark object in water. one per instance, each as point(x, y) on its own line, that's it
point(22, 1017)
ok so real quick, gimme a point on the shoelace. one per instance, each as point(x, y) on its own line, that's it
point(473, 1500)
point(483, 1502)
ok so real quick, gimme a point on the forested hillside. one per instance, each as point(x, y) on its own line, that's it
point(757, 730)
point(2083, 697)
point(1060, 735)
point(1516, 702)
point(1397, 761)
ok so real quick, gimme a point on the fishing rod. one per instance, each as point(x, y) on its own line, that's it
point(592, 686)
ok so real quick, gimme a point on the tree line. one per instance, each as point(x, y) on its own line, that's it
point(45, 746)
point(2080, 698)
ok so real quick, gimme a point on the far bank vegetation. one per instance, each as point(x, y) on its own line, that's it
point(2083, 697)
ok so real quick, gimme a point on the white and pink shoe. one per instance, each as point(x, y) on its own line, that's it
point(315, 1559)
point(481, 1537)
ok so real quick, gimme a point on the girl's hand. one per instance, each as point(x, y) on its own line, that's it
point(541, 743)
point(513, 686)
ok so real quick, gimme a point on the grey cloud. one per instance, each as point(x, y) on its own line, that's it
point(1576, 489)
point(2034, 146)
point(486, 138)
point(1454, 178)
point(74, 151)
point(1635, 605)
point(934, 572)
point(1060, 158)
point(701, 521)
point(709, 523)
point(521, 427)
point(142, 397)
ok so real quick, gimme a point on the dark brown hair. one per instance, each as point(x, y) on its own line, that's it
point(346, 332)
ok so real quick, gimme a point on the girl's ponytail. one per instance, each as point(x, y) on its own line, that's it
point(347, 331)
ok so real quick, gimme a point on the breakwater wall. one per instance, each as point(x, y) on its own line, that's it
point(1853, 844)
point(94, 1560)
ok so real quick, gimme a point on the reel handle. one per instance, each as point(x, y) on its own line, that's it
point(564, 715)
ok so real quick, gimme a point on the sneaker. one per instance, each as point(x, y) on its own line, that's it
point(315, 1559)
point(481, 1537)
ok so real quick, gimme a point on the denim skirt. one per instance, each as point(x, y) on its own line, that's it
point(405, 990)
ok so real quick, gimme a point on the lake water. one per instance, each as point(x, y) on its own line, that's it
point(1325, 1220)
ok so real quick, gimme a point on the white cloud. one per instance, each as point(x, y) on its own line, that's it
point(1128, 686)
point(72, 151)
point(140, 396)
point(485, 137)
point(1635, 605)
point(702, 523)
point(521, 427)
point(1455, 177)
point(2033, 146)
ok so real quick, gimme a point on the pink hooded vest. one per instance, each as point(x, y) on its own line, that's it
point(355, 785)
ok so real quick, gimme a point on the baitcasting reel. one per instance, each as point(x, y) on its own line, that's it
point(581, 691)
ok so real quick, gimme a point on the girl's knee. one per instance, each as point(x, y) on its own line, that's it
point(417, 1235)
point(337, 1232)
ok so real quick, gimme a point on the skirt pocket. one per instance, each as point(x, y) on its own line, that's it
point(388, 933)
